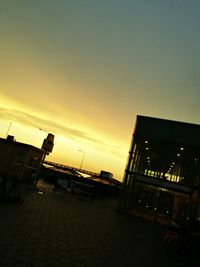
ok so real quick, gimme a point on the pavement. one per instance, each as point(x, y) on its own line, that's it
point(58, 229)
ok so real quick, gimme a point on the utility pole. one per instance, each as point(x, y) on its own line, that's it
point(82, 158)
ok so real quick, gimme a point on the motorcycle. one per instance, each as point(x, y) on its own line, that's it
point(181, 243)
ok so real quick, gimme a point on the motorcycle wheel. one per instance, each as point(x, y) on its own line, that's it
point(177, 250)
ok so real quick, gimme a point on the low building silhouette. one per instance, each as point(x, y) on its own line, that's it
point(19, 160)
point(72, 180)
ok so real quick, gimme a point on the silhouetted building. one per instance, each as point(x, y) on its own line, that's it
point(70, 177)
point(19, 159)
point(162, 175)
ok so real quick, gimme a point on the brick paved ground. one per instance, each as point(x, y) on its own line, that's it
point(56, 229)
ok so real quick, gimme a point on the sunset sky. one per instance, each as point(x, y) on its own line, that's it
point(83, 70)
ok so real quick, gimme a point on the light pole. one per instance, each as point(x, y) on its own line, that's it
point(40, 129)
point(9, 128)
point(82, 158)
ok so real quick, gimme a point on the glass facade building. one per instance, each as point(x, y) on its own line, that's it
point(162, 175)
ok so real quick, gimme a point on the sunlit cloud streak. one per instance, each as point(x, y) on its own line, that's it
point(47, 125)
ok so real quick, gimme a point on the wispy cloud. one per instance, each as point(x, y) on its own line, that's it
point(47, 125)
point(56, 128)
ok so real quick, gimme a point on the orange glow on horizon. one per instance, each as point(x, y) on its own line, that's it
point(98, 155)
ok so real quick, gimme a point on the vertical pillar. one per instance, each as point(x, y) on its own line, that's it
point(124, 201)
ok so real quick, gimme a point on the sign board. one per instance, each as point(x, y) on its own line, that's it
point(48, 143)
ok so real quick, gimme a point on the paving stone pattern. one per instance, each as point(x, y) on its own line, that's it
point(57, 229)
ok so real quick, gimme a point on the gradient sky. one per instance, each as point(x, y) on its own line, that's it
point(84, 69)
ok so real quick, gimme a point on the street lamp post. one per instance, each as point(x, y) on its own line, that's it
point(82, 158)
point(9, 128)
